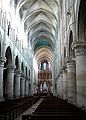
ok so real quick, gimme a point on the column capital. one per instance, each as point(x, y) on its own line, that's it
point(80, 47)
point(10, 66)
point(17, 71)
point(64, 70)
point(2, 60)
point(23, 77)
point(22, 74)
point(70, 62)
point(64, 67)
point(26, 77)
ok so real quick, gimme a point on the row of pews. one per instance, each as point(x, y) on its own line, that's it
point(53, 108)
point(11, 109)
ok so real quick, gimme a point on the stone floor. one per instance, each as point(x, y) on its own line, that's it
point(30, 110)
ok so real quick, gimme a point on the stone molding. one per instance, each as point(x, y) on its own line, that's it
point(79, 47)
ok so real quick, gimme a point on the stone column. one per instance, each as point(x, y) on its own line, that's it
point(56, 87)
point(71, 80)
point(2, 60)
point(80, 54)
point(38, 87)
point(49, 86)
point(10, 81)
point(42, 86)
point(29, 87)
point(17, 84)
point(60, 86)
point(65, 85)
point(22, 86)
point(26, 88)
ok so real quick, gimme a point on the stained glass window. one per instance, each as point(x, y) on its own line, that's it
point(44, 66)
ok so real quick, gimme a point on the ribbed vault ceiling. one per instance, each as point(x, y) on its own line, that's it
point(40, 18)
point(42, 54)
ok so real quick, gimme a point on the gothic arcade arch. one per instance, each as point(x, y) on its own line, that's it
point(0, 43)
point(22, 68)
point(0, 48)
point(8, 55)
point(17, 62)
point(82, 21)
point(16, 71)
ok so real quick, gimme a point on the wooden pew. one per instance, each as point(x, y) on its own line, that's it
point(52, 108)
point(10, 109)
point(54, 117)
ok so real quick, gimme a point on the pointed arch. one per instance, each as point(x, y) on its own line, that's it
point(82, 21)
point(22, 67)
point(17, 62)
point(71, 51)
point(8, 55)
point(0, 49)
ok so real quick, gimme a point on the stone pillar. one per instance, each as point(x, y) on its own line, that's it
point(80, 56)
point(2, 60)
point(10, 81)
point(17, 84)
point(49, 89)
point(42, 86)
point(56, 87)
point(26, 87)
point(60, 86)
point(38, 87)
point(65, 85)
point(29, 87)
point(71, 80)
point(22, 86)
